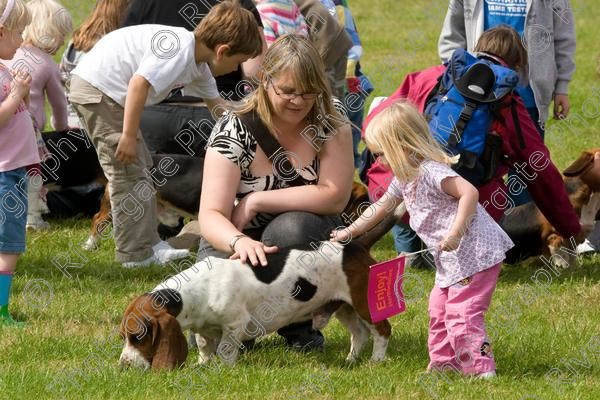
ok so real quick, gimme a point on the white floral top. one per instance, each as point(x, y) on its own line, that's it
point(432, 213)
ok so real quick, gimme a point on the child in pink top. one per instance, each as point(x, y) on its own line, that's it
point(17, 150)
point(50, 23)
point(467, 244)
point(280, 17)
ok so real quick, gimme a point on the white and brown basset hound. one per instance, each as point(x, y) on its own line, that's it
point(226, 302)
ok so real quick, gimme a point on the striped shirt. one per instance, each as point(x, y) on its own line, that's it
point(231, 138)
point(280, 17)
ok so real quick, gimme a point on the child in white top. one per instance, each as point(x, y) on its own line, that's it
point(468, 245)
point(17, 150)
point(141, 65)
point(50, 23)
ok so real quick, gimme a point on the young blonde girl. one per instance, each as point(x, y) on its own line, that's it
point(50, 23)
point(468, 246)
point(18, 150)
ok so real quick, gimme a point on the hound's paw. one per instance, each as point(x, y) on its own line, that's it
point(91, 244)
point(378, 357)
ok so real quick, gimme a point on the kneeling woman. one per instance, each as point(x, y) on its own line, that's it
point(294, 103)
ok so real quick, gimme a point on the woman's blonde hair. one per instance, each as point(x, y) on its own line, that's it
point(296, 55)
point(401, 133)
point(105, 18)
point(50, 24)
point(19, 16)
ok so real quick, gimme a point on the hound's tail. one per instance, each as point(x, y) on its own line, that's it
point(368, 239)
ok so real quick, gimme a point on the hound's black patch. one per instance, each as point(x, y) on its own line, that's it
point(170, 298)
point(275, 264)
point(303, 290)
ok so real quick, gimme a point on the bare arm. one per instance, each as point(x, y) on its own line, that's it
point(368, 219)
point(137, 93)
point(467, 196)
point(221, 179)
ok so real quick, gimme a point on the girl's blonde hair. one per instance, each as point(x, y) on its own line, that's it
point(105, 18)
point(50, 24)
point(401, 133)
point(296, 55)
point(19, 16)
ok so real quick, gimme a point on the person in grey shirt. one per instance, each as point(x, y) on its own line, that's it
point(548, 33)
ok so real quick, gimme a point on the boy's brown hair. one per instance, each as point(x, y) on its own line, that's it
point(228, 23)
point(504, 42)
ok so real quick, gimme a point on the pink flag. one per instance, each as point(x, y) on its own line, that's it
point(385, 289)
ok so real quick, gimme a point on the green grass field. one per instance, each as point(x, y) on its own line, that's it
point(545, 325)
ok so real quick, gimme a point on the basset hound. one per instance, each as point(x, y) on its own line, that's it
point(531, 232)
point(225, 303)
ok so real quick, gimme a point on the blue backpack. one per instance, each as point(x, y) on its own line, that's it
point(461, 108)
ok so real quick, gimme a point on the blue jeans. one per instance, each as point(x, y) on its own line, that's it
point(405, 239)
point(524, 197)
point(13, 210)
point(355, 106)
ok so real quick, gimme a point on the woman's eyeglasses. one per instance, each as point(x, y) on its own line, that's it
point(292, 96)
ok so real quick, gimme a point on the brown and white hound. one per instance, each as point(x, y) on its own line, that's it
point(225, 303)
point(531, 232)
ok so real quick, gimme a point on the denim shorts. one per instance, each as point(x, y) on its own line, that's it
point(13, 210)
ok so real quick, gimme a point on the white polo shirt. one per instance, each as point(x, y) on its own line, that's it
point(163, 55)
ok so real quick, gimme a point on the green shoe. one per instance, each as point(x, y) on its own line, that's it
point(7, 320)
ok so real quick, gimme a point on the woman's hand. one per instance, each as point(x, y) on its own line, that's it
point(243, 212)
point(126, 149)
point(247, 248)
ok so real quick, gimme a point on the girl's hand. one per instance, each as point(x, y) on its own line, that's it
point(126, 149)
point(450, 242)
point(243, 212)
point(21, 83)
point(340, 235)
point(247, 248)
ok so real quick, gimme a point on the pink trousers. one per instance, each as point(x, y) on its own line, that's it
point(457, 338)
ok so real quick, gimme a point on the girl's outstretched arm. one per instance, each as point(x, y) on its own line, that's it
point(467, 196)
point(368, 219)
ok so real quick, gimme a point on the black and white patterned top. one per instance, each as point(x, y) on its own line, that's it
point(231, 138)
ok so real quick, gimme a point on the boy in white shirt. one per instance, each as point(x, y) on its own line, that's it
point(141, 65)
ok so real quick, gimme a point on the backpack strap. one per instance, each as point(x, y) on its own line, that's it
point(273, 150)
point(437, 89)
point(463, 119)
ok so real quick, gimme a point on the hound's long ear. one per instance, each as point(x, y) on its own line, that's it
point(581, 165)
point(171, 349)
